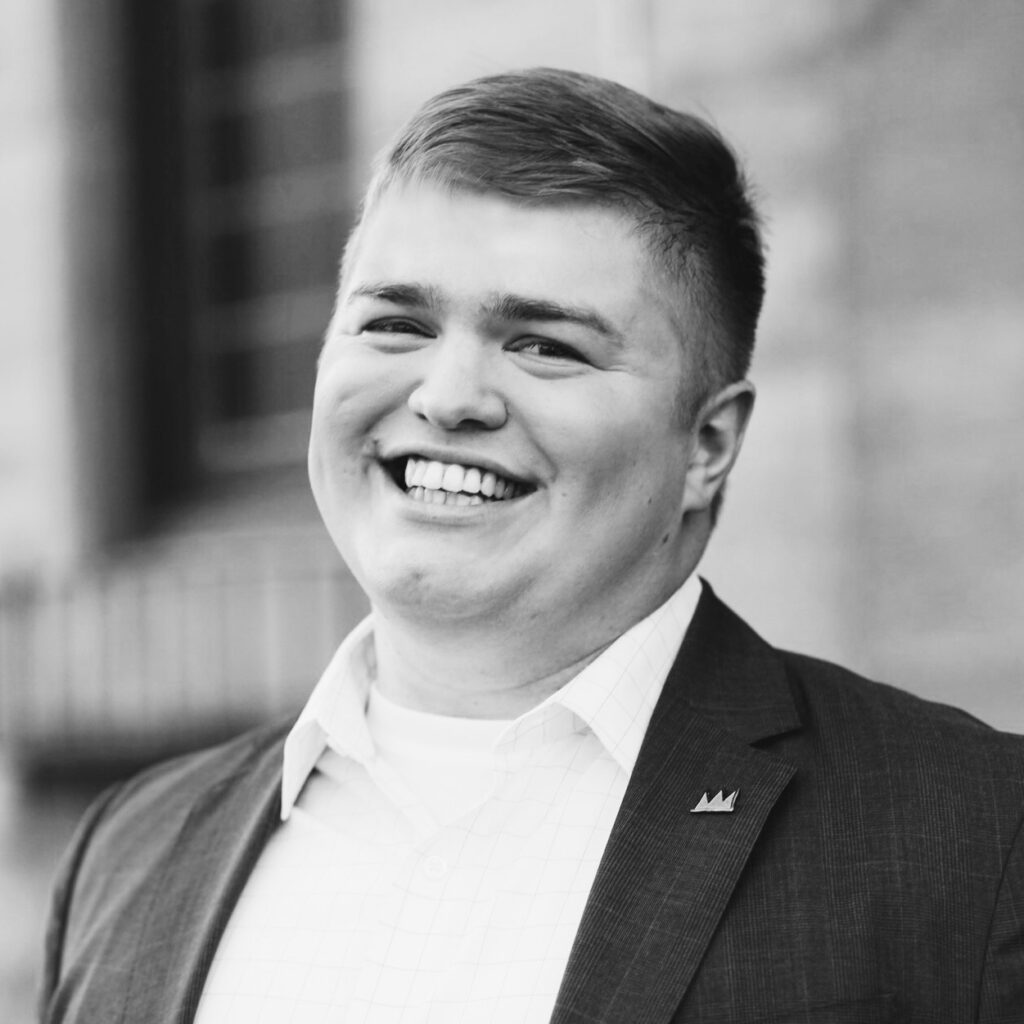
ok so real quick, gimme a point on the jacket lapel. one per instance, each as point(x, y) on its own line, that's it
point(667, 875)
point(202, 876)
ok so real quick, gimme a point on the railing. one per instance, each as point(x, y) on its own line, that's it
point(164, 645)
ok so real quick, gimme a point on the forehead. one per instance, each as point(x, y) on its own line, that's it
point(467, 243)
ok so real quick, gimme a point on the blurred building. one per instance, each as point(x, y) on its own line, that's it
point(176, 182)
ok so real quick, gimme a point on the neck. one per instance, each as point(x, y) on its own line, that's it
point(467, 676)
point(502, 662)
point(474, 672)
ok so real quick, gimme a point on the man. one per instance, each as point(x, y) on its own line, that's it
point(552, 777)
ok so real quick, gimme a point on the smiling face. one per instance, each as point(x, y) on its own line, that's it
point(496, 434)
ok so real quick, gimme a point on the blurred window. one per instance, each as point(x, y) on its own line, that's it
point(237, 116)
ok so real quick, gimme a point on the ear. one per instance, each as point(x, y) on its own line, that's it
point(718, 432)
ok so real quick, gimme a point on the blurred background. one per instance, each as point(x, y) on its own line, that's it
point(176, 180)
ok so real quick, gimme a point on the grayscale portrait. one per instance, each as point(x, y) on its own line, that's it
point(512, 513)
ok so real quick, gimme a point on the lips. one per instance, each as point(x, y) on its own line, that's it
point(452, 483)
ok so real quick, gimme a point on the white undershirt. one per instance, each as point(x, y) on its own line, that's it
point(435, 869)
point(449, 763)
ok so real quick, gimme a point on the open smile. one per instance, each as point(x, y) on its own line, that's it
point(452, 483)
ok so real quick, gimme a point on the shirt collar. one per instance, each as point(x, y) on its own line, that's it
point(614, 696)
point(334, 715)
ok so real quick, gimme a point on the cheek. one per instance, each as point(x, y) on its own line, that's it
point(354, 393)
point(355, 389)
point(605, 450)
point(627, 471)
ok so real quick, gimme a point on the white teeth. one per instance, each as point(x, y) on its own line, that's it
point(429, 497)
point(453, 477)
point(433, 476)
point(439, 483)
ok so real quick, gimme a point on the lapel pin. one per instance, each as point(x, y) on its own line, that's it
point(717, 804)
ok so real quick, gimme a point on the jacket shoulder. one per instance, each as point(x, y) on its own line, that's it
point(865, 720)
point(824, 682)
point(155, 803)
point(126, 841)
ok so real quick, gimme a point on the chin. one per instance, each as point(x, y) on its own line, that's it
point(438, 594)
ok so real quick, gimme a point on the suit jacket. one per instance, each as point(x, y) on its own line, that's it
point(872, 869)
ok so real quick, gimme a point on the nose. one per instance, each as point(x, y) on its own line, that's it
point(457, 390)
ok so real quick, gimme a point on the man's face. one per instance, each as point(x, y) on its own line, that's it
point(496, 429)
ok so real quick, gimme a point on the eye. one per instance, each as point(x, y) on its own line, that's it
point(545, 348)
point(395, 325)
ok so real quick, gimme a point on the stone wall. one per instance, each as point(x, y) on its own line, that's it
point(935, 153)
point(876, 516)
point(37, 492)
point(65, 387)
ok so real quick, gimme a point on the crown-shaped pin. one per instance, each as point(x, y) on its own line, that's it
point(718, 803)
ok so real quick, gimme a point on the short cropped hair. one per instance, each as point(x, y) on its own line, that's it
point(551, 137)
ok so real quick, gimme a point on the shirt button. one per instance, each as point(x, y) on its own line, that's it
point(435, 867)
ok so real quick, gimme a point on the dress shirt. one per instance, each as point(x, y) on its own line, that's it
point(434, 869)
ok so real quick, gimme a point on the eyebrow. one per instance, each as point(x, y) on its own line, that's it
point(518, 307)
point(418, 295)
point(506, 307)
